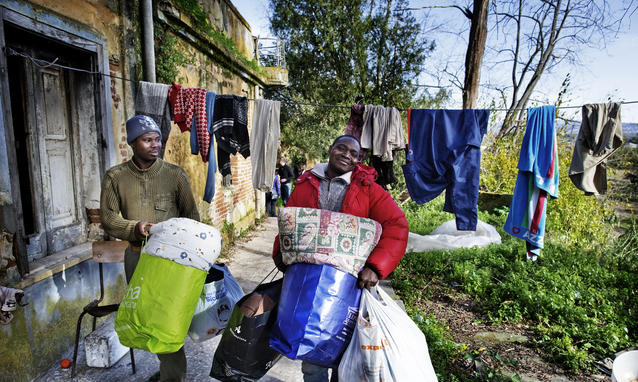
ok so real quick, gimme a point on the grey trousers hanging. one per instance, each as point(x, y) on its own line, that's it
point(264, 143)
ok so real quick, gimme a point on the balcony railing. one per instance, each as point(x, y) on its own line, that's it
point(269, 52)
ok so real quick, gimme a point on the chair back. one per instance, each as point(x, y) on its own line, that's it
point(109, 251)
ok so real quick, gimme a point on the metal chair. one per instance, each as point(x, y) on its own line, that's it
point(103, 252)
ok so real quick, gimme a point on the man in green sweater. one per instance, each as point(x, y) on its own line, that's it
point(138, 193)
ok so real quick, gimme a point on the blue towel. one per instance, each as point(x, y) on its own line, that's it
point(445, 154)
point(537, 178)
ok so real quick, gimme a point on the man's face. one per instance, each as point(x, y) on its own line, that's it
point(344, 156)
point(147, 146)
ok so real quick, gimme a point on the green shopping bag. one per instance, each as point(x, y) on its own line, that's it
point(158, 306)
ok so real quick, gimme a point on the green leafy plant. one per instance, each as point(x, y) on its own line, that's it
point(169, 57)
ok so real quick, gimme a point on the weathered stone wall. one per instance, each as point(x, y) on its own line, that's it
point(43, 331)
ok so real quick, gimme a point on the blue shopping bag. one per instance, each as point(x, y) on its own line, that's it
point(317, 314)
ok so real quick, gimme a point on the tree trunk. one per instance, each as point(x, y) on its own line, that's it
point(474, 54)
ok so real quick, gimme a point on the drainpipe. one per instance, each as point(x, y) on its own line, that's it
point(149, 43)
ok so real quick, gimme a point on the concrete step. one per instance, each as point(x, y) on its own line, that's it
point(103, 348)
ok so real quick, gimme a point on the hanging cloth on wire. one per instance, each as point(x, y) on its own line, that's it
point(599, 136)
point(230, 126)
point(264, 143)
point(189, 103)
point(537, 178)
point(152, 101)
point(209, 188)
point(381, 132)
point(355, 122)
point(445, 154)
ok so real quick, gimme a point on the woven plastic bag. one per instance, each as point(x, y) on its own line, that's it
point(317, 314)
point(220, 293)
point(158, 306)
point(386, 345)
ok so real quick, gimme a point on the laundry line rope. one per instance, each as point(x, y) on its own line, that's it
point(46, 64)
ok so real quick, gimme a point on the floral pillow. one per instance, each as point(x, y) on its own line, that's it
point(309, 235)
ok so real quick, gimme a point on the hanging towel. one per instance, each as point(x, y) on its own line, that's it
point(209, 188)
point(152, 101)
point(381, 131)
point(189, 104)
point(230, 121)
point(445, 154)
point(355, 122)
point(264, 143)
point(537, 178)
point(599, 136)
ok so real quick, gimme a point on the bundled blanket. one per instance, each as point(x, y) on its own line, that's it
point(315, 236)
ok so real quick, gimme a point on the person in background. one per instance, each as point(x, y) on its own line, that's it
point(139, 193)
point(285, 178)
point(272, 196)
point(346, 186)
point(299, 170)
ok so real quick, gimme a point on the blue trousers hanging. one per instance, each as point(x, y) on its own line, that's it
point(445, 154)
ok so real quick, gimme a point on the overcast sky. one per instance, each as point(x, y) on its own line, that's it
point(604, 73)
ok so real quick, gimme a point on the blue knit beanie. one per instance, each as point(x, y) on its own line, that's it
point(138, 125)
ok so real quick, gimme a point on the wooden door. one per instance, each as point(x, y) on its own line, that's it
point(52, 144)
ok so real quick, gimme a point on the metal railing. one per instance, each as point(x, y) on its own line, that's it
point(269, 51)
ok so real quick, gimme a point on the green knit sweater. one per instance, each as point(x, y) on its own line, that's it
point(130, 195)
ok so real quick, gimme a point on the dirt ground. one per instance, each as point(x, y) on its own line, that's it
point(459, 311)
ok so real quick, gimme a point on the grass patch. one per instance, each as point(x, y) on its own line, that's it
point(581, 303)
point(580, 298)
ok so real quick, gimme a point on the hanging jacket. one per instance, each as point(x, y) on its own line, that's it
point(600, 135)
point(364, 198)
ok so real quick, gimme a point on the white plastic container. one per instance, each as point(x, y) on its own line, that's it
point(625, 368)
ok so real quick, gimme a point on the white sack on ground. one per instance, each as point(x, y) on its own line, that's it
point(446, 236)
point(186, 242)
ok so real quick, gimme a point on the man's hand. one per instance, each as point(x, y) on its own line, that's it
point(367, 278)
point(142, 230)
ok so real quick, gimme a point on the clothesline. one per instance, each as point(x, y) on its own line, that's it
point(45, 64)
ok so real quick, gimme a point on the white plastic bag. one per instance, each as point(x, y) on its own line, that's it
point(215, 304)
point(446, 236)
point(386, 345)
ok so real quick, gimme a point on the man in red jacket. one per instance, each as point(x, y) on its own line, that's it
point(346, 186)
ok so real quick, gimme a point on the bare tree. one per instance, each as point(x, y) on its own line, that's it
point(538, 35)
point(475, 51)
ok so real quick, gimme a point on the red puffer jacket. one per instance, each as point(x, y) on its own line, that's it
point(364, 198)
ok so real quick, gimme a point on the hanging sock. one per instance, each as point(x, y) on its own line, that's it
point(445, 154)
point(264, 143)
point(599, 136)
point(537, 179)
point(152, 101)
